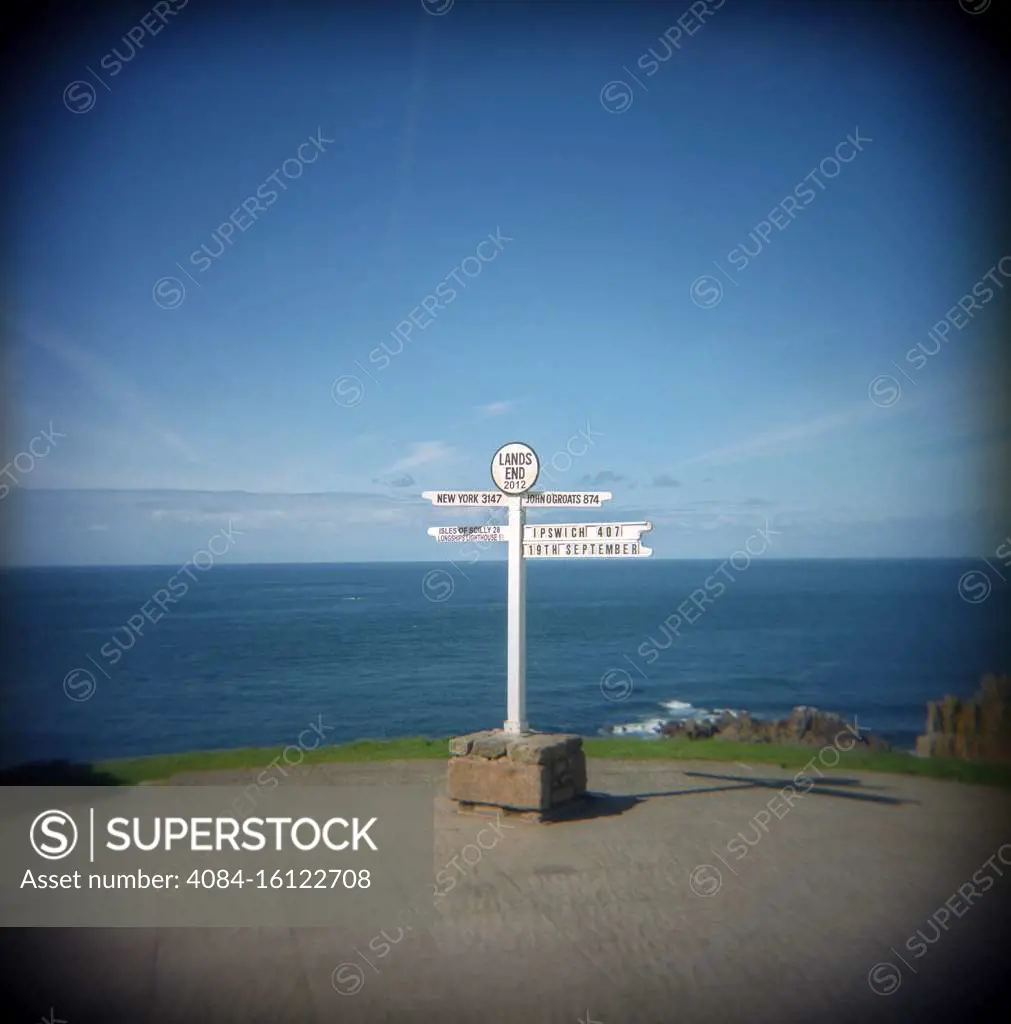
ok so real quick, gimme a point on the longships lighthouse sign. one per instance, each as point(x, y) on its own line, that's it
point(514, 471)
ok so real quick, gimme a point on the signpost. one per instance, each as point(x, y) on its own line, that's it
point(514, 471)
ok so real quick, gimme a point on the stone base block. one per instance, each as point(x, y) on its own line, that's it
point(534, 773)
point(570, 810)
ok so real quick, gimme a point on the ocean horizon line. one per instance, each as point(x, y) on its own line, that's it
point(499, 559)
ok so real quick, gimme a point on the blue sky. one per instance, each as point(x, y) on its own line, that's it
point(435, 133)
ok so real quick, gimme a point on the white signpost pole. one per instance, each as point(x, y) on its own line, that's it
point(514, 471)
point(516, 656)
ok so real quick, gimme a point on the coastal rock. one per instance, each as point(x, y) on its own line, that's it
point(691, 728)
point(976, 729)
point(745, 729)
point(804, 726)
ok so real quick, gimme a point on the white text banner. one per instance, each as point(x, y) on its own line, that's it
point(585, 549)
point(585, 531)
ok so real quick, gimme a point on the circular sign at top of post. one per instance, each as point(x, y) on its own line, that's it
point(515, 467)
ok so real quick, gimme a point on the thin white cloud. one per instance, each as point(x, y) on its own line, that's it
point(111, 385)
point(495, 409)
point(422, 453)
point(777, 442)
point(387, 515)
point(259, 517)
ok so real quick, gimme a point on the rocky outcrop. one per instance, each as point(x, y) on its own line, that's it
point(977, 729)
point(692, 729)
point(804, 727)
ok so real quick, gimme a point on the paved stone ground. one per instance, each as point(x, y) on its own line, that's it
point(640, 912)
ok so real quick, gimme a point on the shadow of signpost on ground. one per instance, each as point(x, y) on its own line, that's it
point(605, 805)
point(826, 788)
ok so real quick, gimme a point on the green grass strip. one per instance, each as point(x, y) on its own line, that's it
point(163, 766)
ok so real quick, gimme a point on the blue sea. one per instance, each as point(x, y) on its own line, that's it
point(251, 655)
